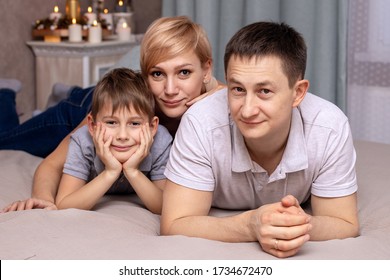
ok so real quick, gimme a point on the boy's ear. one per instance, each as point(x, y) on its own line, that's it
point(91, 124)
point(154, 125)
point(300, 90)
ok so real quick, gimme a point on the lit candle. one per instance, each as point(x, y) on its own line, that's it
point(107, 17)
point(90, 16)
point(56, 15)
point(74, 32)
point(124, 32)
point(95, 33)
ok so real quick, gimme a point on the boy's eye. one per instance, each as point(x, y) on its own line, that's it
point(135, 123)
point(110, 122)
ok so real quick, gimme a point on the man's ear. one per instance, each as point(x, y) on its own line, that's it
point(154, 125)
point(300, 90)
point(91, 124)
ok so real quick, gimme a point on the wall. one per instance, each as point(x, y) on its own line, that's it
point(16, 20)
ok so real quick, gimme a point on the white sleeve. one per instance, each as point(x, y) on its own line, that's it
point(189, 162)
point(337, 176)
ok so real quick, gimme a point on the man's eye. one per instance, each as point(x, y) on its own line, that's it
point(265, 91)
point(238, 90)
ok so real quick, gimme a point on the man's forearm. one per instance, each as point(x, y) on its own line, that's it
point(326, 228)
point(227, 229)
point(334, 218)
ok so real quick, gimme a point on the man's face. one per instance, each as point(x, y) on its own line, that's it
point(260, 98)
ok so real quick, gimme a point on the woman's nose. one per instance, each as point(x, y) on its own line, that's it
point(171, 86)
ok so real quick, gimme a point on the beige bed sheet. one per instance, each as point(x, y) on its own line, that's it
point(120, 227)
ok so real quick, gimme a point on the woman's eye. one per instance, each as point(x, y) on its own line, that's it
point(185, 72)
point(156, 74)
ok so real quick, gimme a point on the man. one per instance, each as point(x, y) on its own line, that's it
point(266, 146)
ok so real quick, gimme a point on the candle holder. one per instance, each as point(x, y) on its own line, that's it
point(53, 29)
point(120, 17)
point(72, 9)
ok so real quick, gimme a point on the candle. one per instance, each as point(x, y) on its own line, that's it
point(95, 33)
point(107, 17)
point(56, 15)
point(74, 32)
point(123, 32)
point(90, 16)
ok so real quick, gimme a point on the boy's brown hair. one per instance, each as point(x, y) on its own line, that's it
point(123, 88)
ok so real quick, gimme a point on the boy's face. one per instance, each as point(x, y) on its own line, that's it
point(260, 98)
point(177, 81)
point(124, 126)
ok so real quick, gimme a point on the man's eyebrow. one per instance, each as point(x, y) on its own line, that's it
point(232, 80)
point(262, 83)
point(265, 83)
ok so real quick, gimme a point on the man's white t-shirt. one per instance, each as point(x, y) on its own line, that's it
point(209, 154)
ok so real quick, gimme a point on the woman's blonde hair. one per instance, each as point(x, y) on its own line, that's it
point(168, 37)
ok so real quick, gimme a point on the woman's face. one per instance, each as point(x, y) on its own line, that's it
point(177, 81)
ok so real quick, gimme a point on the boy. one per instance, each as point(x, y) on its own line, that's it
point(120, 150)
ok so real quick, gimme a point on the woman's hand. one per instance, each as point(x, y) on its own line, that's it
point(30, 203)
point(211, 87)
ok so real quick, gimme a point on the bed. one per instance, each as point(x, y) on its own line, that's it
point(121, 228)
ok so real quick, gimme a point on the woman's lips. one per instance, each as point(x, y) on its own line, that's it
point(172, 103)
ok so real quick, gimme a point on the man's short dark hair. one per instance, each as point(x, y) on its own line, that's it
point(263, 39)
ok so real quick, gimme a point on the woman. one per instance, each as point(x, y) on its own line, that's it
point(177, 62)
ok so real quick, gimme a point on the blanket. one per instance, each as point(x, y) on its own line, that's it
point(120, 227)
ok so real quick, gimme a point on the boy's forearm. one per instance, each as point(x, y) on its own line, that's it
point(79, 195)
point(149, 192)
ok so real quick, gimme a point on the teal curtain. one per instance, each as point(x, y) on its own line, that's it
point(323, 24)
